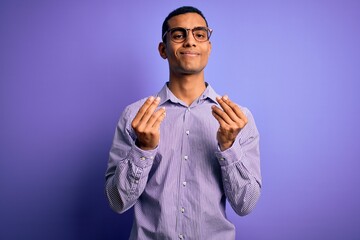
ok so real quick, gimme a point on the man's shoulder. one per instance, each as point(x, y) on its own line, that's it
point(244, 109)
point(137, 104)
point(134, 107)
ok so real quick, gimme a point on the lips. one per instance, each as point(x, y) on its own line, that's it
point(189, 53)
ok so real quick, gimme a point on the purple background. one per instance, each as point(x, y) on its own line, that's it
point(68, 68)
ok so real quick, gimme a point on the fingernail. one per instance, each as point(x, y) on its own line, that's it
point(225, 97)
point(151, 98)
point(157, 99)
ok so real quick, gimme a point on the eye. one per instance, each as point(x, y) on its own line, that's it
point(200, 34)
point(178, 35)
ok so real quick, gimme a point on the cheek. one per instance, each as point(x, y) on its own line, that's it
point(171, 53)
point(208, 48)
point(207, 54)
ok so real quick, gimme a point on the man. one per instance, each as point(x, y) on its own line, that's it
point(178, 170)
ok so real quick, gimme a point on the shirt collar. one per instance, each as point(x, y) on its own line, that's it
point(166, 95)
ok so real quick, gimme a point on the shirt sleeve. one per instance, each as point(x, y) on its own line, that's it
point(240, 168)
point(128, 167)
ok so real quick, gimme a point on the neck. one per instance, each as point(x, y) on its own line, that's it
point(187, 88)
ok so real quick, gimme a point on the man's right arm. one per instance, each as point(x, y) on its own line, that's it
point(130, 163)
point(127, 175)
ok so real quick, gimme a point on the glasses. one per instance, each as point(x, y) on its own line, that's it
point(179, 34)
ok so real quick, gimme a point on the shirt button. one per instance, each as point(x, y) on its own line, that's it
point(182, 210)
point(222, 159)
point(187, 132)
point(184, 183)
point(143, 158)
point(186, 157)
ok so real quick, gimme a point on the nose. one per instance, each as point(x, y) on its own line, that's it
point(190, 40)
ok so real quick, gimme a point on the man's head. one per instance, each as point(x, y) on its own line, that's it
point(185, 43)
point(178, 11)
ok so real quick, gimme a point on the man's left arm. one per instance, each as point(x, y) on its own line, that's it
point(239, 155)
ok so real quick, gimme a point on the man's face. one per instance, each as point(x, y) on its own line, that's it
point(190, 56)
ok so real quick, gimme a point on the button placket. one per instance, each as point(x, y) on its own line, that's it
point(183, 191)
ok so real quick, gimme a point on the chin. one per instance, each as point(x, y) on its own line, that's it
point(191, 71)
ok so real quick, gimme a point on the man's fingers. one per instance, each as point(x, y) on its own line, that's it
point(221, 114)
point(156, 118)
point(239, 113)
point(229, 107)
point(232, 109)
point(161, 115)
point(142, 111)
point(150, 110)
point(145, 111)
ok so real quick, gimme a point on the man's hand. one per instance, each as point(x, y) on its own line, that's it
point(146, 124)
point(231, 120)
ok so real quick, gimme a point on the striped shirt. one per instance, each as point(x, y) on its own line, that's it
point(179, 189)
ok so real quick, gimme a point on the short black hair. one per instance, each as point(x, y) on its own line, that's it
point(178, 11)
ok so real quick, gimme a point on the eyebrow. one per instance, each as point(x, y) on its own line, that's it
point(188, 28)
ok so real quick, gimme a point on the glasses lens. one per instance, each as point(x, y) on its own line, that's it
point(201, 34)
point(178, 34)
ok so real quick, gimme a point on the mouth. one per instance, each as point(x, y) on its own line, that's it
point(190, 53)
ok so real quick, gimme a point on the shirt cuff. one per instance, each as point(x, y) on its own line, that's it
point(142, 158)
point(230, 155)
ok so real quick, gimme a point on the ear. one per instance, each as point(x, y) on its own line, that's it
point(162, 50)
point(210, 48)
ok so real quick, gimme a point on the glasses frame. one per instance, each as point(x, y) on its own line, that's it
point(208, 30)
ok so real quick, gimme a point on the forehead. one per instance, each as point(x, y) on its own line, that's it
point(187, 20)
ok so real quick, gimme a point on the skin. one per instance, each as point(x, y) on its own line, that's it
point(187, 61)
